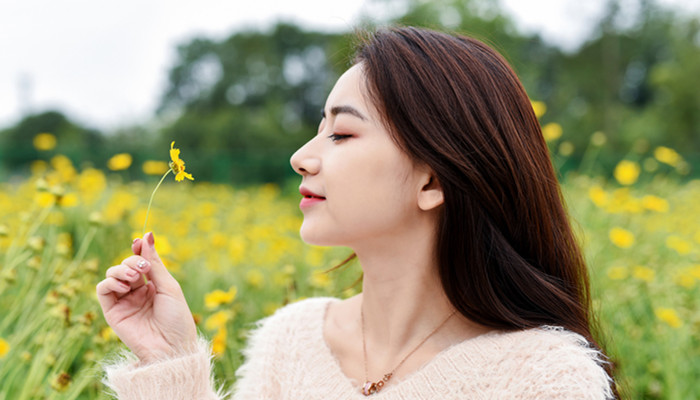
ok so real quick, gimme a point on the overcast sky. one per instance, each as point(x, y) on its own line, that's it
point(105, 63)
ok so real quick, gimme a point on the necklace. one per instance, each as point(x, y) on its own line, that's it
point(373, 387)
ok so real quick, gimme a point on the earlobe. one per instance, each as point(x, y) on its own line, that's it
point(431, 195)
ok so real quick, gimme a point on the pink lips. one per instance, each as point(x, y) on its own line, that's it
point(310, 198)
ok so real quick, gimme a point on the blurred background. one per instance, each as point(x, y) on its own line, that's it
point(92, 94)
point(241, 87)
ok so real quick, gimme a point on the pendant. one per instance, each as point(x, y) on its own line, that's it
point(373, 387)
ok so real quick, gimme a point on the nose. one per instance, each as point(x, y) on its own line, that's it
point(304, 162)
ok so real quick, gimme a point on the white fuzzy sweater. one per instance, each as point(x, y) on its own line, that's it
point(287, 358)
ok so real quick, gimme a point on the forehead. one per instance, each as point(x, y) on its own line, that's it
point(349, 90)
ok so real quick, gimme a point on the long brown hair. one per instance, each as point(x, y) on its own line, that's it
point(507, 255)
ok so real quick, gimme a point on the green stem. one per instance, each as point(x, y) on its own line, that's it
point(148, 210)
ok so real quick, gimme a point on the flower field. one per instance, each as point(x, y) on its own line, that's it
point(237, 254)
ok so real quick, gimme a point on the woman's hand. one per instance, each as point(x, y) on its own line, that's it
point(152, 318)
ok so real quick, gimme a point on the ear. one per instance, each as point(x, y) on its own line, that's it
point(430, 195)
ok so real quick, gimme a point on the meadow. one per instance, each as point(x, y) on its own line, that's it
point(238, 256)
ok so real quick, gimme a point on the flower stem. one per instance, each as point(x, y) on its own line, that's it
point(148, 210)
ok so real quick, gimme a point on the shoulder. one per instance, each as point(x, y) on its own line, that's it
point(293, 318)
point(550, 362)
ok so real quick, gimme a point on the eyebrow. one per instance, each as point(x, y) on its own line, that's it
point(344, 110)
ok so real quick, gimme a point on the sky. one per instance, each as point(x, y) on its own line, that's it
point(105, 63)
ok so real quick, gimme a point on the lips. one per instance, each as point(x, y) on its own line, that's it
point(309, 194)
point(310, 198)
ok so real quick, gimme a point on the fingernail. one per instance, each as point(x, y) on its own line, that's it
point(134, 240)
point(150, 238)
point(142, 264)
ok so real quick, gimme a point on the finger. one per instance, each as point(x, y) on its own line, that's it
point(129, 271)
point(109, 291)
point(158, 274)
point(136, 246)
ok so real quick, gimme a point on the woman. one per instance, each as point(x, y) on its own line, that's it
point(430, 164)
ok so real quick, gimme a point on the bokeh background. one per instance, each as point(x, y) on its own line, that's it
point(92, 95)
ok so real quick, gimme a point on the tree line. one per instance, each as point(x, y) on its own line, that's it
point(240, 106)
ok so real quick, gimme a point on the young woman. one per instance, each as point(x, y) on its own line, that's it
point(430, 164)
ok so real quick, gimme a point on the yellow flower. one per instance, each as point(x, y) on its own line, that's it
point(654, 203)
point(218, 345)
point(4, 347)
point(119, 162)
point(44, 141)
point(551, 131)
point(177, 165)
point(219, 297)
point(151, 167)
point(598, 196)
point(669, 316)
point(667, 156)
point(626, 172)
point(218, 320)
point(643, 273)
point(320, 279)
point(679, 244)
point(621, 238)
point(539, 107)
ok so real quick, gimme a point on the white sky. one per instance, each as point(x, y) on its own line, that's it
point(105, 63)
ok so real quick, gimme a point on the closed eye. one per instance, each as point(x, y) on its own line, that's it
point(337, 137)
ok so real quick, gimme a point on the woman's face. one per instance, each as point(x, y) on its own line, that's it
point(360, 187)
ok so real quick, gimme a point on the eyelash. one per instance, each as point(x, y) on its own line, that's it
point(336, 137)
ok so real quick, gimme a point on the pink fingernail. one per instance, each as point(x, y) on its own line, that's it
point(134, 240)
point(150, 238)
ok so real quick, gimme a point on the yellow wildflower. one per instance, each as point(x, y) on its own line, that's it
point(218, 320)
point(669, 316)
point(626, 172)
point(667, 155)
point(679, 244)
point(177, 165)
point(151, 167)
point(218, 345)
point(621, 237)
point(685, 278)
point(539, 108)
point(643, 273)
point(598, 196)
point(654, 203)
point(44, 142)
point(219, 297)
point(4, 347)
point(320, 279)
point(119, 162)
point(551, 131)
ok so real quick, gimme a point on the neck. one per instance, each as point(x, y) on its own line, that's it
point(402, 296)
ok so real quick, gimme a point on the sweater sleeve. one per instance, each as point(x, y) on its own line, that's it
point(184, 377)
point(258, 378)
point(562, 366)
